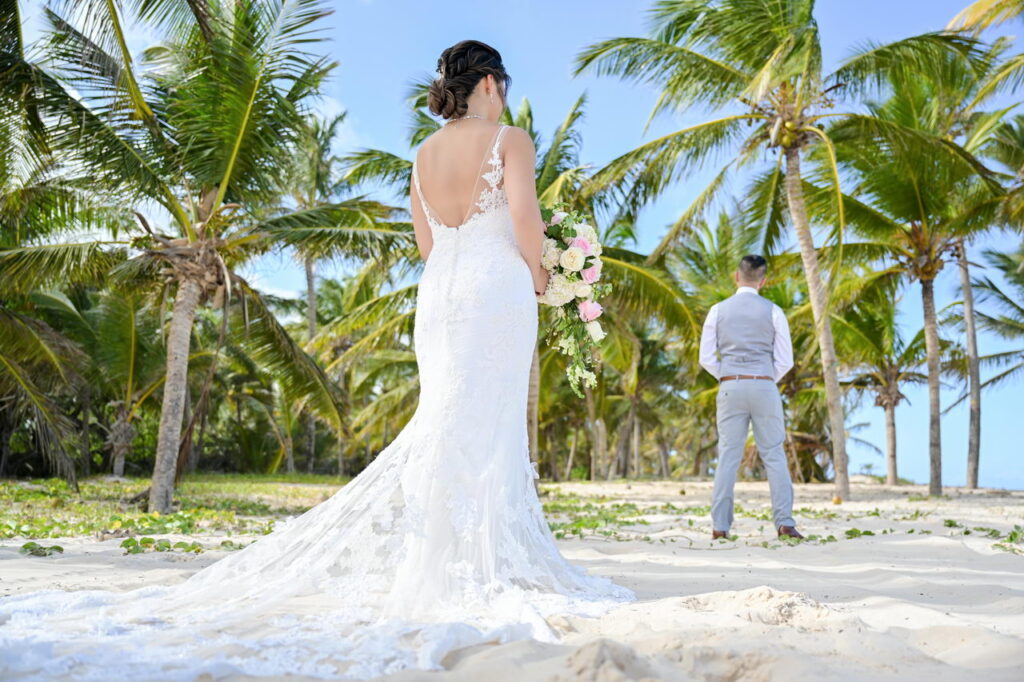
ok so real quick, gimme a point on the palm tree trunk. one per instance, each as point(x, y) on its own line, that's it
point(635, 444)
point(620, 465)
point(973, 371)
point(598, 436)
point(533, 406)
point(197, 448)
point(122, 433)
point(890, 442)
point(601, 448)
point(823, 327)
point(289, 456)
point(311, 328)
point(931, 343)
point(84, 433)
point(663, 451)
point(289, 451)
point(6, 429)
point(572, 453)
point(179, 338)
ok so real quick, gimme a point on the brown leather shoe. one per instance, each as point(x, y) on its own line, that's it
point(719, 535)
point(790, 531)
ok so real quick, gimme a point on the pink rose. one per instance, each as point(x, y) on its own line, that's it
point(591, 274)
point(590, 310)
point(582, 244)
point(558, 217)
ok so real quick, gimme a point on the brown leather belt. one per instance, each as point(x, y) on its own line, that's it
point(734, 377)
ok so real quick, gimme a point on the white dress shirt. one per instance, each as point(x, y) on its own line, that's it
point(782, 352)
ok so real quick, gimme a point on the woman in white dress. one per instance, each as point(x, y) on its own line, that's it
point(441, 542)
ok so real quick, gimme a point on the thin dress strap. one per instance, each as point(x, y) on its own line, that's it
point(419, 192)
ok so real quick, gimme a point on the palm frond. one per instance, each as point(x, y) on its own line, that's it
point(268, 343)
point(377, 167)
point(645, 290)
point(29, 267)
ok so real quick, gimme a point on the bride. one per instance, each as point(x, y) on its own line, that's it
point(441, 542)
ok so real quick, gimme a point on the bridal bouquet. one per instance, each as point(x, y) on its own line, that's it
point(572, 257)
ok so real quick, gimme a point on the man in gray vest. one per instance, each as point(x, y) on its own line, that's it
point(746, 346)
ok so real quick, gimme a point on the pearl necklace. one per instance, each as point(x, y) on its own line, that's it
point(454, 122)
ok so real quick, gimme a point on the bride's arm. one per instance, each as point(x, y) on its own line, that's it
point(424, 239)
point(521, 189)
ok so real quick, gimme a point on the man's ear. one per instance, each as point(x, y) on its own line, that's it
point(736, 277)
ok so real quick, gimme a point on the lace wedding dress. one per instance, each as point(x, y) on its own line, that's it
point(438, 544)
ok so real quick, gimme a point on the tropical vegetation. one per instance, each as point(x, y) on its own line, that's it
point(139, 188)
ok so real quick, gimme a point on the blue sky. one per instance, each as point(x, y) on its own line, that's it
point(383, 45)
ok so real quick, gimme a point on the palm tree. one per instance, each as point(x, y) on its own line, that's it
point(884, 361)
point(638, 288)
point(193, 141)
point(915, 207)
point(759, 62)
point(951, 107)
point(312, 180)
point(38, 365)
point(119, 334)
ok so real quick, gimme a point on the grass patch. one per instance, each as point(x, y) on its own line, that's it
point(207, 503)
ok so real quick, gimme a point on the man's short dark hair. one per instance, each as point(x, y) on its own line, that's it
point(752, 268)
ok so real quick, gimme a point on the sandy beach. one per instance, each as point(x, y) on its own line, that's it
point(920, 591)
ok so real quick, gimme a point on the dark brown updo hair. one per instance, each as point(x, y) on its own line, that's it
point(459, 69)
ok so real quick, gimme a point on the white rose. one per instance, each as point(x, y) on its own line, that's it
point(583, 290)
point(572, 259)
point(549, 256)
point(595, 330)
point(595, 248)
point(587, 232)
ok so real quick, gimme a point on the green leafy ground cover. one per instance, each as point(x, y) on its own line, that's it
point(212, 506)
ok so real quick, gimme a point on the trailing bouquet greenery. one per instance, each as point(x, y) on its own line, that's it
point(572, 256)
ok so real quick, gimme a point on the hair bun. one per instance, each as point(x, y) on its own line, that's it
point(441, 100)
point(460, 68)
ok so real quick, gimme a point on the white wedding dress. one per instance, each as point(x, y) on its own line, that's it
point(438, 544)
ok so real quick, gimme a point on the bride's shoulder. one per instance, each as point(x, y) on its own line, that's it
point(517, 139)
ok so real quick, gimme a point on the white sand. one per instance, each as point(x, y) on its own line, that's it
point(896, 605)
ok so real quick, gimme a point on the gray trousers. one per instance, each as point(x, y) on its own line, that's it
point(742, 402)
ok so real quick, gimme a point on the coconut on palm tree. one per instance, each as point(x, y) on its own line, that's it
point(186, 140)
point(638, 287)
point(915, 202)
point(759, 64)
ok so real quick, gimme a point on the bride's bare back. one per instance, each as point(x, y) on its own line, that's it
point(450, 165)
point(449, 183)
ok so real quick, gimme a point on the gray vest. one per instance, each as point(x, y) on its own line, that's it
point(746, 335)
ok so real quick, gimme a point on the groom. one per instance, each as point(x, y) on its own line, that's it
point(746, 346)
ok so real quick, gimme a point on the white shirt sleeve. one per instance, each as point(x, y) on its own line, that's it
point(709, 343)
point(782, 353)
